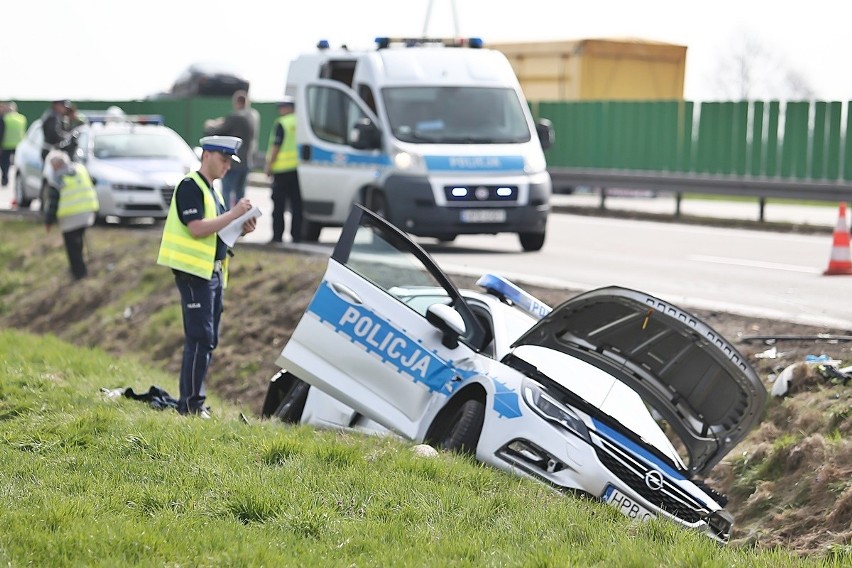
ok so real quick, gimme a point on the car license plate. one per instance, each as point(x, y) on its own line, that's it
point(483, 216)
point(625, 504)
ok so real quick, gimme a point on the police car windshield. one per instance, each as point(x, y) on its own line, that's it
point(140, 145)
point(455, 115)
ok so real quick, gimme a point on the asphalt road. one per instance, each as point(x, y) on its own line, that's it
point(748, 272)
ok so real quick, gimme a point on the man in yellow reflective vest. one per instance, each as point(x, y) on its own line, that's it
point(72, 203)
point(13, 126)
point(281, 161)
point(191, 247)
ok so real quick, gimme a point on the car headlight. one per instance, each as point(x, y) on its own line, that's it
point(552, 410)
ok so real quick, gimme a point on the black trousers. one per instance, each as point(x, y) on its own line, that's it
point(285, 188)
point(74, 248)
point(6, 159)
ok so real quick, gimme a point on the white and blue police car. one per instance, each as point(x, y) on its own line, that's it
point(614, 393)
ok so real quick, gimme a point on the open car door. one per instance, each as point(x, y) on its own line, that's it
point(360, 343)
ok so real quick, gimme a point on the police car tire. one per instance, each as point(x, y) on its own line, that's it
point(463, 429)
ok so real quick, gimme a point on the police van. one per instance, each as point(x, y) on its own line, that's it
point(435, 135)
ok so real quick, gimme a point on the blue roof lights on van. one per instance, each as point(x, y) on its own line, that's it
point(385, 42)
point(323, 44)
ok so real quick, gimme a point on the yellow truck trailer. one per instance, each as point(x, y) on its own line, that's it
point(598, 69)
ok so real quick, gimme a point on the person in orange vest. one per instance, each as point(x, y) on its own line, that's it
point(281, 162)
point(198, 257)
point(13, 126)
point(72, 203)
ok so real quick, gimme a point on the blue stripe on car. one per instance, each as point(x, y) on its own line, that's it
point(410, 358)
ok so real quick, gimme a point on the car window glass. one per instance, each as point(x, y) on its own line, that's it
point(390, 265)
point(138, 144)
point(332, 114)
point(459, 115)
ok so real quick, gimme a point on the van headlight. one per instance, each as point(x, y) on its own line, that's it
point(552, 410)
point(408, 162)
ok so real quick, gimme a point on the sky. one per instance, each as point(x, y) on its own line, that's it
point(115, 50)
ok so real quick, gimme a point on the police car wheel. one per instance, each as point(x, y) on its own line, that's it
point(463, 428)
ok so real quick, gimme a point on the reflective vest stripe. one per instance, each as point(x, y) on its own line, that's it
point(287, 158)
point(180, 250)
point(77, 194)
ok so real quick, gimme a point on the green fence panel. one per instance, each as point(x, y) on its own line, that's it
point(756, 157)
point(773, 147)
point(847, 153)
point(738, 157)
point(794, 148)
point(816, 164)
point(833, 140)
point(684, 144)
point(797, 140)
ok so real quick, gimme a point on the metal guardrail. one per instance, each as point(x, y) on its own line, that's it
point(680, 183)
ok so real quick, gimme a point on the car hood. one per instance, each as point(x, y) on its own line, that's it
point(695, 380)
point(160, 171)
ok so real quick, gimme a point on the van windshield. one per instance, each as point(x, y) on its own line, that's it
point(455, 115)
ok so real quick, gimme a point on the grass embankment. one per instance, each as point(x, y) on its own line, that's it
point(92, 481)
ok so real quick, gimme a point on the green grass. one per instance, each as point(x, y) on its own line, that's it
point(92, 481)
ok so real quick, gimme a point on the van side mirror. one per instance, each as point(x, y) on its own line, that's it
point(365, 135)
point(544, 129)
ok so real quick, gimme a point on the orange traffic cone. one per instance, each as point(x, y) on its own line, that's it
point(841, 257)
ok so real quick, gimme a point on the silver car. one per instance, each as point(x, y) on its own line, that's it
point(134, 161)
point(614, 393)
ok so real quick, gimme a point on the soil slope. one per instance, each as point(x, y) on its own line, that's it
point(788, 482)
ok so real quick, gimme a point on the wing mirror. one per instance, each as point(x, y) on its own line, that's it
point(448, 321)
point(365, 135)
point(544, 129)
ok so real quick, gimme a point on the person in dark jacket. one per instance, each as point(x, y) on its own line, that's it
point(54, 126)
point(239, 124)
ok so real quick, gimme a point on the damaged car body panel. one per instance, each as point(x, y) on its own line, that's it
point(688, 373)
point(614, 394)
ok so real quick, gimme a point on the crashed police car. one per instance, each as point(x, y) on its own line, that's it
point(614, 393)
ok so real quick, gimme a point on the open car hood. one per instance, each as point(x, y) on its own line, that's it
point(695, 380)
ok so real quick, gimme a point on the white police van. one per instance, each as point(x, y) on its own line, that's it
point(435, 135)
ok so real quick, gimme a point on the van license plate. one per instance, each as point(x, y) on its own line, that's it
point(625, 504)
point(483, 216)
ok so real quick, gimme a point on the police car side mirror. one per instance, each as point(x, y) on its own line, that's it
point(544, 129)
point(448, 321)
point(365, 135)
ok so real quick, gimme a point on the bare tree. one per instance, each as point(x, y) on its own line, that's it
point(751, 71)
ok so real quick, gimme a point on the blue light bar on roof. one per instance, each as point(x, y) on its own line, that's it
point(385, 42)
point(322, 44)
point(507, 291)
